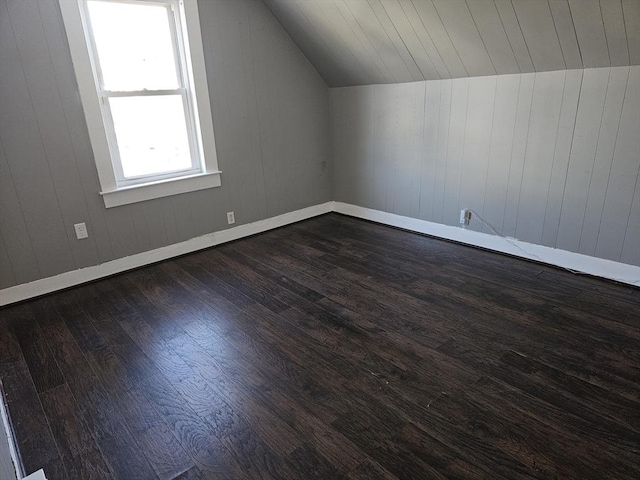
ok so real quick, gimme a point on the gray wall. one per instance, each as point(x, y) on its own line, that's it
point(551, 158)
point(270, 110)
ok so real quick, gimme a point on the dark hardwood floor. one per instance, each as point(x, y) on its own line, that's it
point(332, 348)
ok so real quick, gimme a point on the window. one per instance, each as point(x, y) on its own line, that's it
point(140, 70)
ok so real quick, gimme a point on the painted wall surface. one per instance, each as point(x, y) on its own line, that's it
point(270, 110)
point(550, 158)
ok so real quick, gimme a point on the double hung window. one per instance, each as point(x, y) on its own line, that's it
point(140, 70)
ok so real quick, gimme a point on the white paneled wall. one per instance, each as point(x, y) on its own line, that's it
point(550, 158)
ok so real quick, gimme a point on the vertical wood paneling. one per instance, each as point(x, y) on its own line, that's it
point(538, 164)
point(430, 137)
point(408, 152)
point(623, 175)
point(443, 149)
point(631, 246)
point(381, 115)
point(607, 136)
point(122, 232)
point(455, 153)
point(7, 277)
point(369, 136)
point(20, 136)
point(258, 55)
point(74, 119)
point(17, 242)
point(391, 133)
point(583, 151)
point(518, 151)
point(504, 120)
point(139, 220)
point(343, 143)
point(36, 62)
point(355, 132)
point(562, 150)
point(550, 158)
point(477, 143)
point(182, 214)
point(270, 115)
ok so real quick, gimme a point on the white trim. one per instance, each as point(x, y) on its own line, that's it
point(202, 145)
point(194, 52)
point(83, 275)
point(162, 188)
point(81, 59)
point(39, 475)
point(598, 267)
point(591, 265)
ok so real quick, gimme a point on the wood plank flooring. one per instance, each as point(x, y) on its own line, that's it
point(331, 349)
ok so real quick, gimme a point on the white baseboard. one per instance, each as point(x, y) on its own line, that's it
point(83, 275)
point(598, 267)
point(574, 261)
point(39, 475)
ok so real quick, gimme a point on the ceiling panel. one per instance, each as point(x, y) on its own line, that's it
point(514, 34)
point(613, 19)
point(408, 36)
point(494, 36)
point(459, 24)
point(587, 19)
point(540, 34)
point(430, 19)
point(563, 22)
point(361, 42)
point(631, 12)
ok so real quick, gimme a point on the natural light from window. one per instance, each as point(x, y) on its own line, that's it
point(137, 52)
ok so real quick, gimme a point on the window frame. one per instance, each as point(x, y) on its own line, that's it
point(115, 189)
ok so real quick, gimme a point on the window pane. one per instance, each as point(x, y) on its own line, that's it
point(151, 134)
point(134, 46)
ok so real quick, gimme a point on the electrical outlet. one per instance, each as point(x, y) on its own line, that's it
point(465, 216)
point(231, 218)
point(81, 231)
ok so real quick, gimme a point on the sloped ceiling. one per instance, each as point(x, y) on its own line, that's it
point(361, 42)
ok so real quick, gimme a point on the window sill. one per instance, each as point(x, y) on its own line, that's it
point(163, 188)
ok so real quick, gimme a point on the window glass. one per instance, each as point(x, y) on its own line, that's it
point(134, 45)
point(151, 134)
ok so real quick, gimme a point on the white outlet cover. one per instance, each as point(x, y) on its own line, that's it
point(231, 218)
point(81, 230)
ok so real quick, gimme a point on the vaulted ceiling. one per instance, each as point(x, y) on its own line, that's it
point(361, 42)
